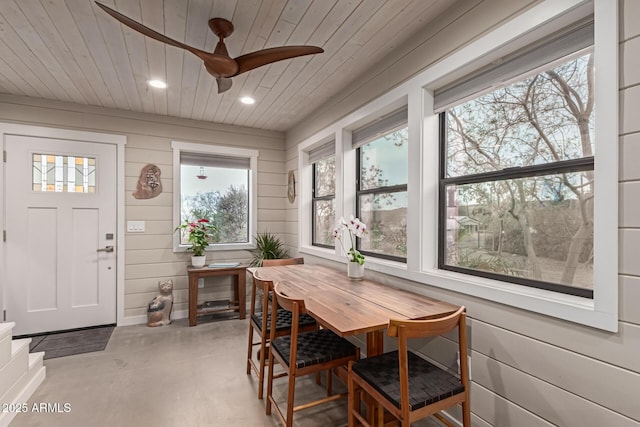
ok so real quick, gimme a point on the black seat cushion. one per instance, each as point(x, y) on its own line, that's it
point(314, 347)
point(427, 383)
point(283, 320)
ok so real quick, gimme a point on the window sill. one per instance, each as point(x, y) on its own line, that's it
point(567, 307)
point(222, 247)
point(562, 306)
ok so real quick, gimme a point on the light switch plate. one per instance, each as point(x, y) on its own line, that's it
point(135, 226)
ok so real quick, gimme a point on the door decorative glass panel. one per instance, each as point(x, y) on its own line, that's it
point(64, 174)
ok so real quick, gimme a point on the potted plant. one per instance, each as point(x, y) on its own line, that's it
point(268, 246)
point(199, 234)
point(355, 228)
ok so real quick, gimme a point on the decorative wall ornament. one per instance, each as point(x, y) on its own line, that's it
point(149, 185)
point(291, 186)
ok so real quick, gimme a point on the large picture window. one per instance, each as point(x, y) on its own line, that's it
point(323, 160)
point(517, 180)
point(381, 194)
point(217, 184)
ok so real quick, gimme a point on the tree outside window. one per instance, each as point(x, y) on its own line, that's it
point(220, 195)
point(217, 183)
point(382, 194)
point(323, 201)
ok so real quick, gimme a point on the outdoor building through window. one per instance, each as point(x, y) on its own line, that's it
point(217, 187)
point(517, 176)
point(323, 216)
point(381, 194)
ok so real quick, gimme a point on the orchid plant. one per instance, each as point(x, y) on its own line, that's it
point(356, 228)
point(199, 234)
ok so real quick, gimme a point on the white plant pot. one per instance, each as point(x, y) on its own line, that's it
point(198, 261)
point(355, 271)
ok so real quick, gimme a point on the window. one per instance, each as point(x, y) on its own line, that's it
point(381, 194)
point(218, 184)
point(63, 174)
point(517, 178)
point(323, 216)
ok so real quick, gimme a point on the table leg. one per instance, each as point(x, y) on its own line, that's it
point(193, 298)
point(375, 343)
point(375, 346)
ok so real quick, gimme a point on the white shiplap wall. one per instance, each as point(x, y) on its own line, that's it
point(528, 369)
point(149, 256)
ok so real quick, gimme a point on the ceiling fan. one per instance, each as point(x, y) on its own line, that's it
point(219, 64)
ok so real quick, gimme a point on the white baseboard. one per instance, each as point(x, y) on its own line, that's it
point(138, 320)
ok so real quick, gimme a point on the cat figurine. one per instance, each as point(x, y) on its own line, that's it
point(159, 310)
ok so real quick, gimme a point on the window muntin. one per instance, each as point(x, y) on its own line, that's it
point(323, 202)
point(63, 174)
point(519, 160)
point(381, 195)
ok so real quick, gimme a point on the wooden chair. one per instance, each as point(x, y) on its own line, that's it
point(285, 261)
point(260, 325)
point(303, 354)
point(407, 386)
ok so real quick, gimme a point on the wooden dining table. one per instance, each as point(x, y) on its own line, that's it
point(351, 307)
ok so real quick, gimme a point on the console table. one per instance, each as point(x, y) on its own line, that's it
point(239, 290)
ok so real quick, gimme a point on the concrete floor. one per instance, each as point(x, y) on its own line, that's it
point(169, 376)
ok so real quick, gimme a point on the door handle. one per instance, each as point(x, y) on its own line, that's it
point(106, 249)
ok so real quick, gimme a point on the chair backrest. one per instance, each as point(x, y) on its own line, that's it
point(290, 304)
point(406, 329)
point(296, 307)
point(265, 286)
point(425, 328)
point(285, 261)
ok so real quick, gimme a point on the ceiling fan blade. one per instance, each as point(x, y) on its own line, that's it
point(224, 84)
point(142, 29)
point(216, 64)
point(267, 56)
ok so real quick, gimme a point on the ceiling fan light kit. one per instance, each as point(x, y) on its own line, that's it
point(219, 64)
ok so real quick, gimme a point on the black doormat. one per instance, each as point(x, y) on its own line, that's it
point(66, 343)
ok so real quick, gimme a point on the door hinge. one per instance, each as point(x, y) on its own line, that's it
point(4, 235)
point(4, 156)
point(4, 315)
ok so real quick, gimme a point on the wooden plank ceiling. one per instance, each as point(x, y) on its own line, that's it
point(70, 50)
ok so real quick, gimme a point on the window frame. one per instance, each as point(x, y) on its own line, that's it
point(195, 148)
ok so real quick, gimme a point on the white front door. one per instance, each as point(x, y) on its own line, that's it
point(60, 220)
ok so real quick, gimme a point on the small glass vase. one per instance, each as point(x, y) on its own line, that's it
point(198, 261)
point(355, 271)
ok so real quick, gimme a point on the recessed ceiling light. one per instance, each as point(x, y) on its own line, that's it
point(247, 100)
point(157, 83)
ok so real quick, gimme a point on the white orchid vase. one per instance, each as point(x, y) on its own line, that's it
point(356, 229)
